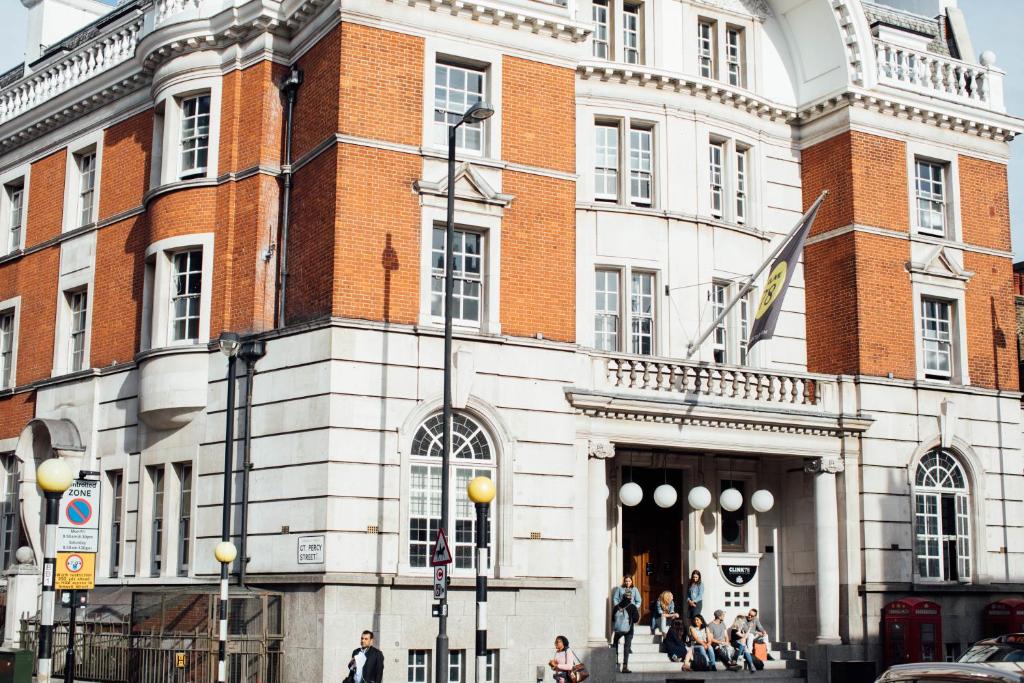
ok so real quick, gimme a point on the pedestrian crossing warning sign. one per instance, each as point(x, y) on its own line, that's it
point(442, 554)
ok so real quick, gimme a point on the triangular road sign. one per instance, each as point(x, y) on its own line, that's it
point(442, 554)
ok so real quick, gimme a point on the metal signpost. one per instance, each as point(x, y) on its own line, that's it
point(78, 539)
point(439, 560)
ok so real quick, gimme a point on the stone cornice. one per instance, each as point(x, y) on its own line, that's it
point(519, 18)
point(647, 76)
point(939, 113)
point(658, 408)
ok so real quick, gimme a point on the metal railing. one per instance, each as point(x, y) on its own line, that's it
point(109, 653)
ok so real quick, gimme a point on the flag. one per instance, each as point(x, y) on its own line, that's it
point(770, 304)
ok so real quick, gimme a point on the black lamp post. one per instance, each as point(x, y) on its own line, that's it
point(225, 551)
point(477, 113)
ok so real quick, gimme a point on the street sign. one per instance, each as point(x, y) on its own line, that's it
point(440, 584)
point(439, 610)
point(179, 660)
point(442, 554)
point(76, 571)
point(78, 530)
point(311, 550)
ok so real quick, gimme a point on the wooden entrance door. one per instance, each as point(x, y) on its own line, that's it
point(652, 541)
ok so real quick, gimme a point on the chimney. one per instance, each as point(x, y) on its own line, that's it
point(50, 21)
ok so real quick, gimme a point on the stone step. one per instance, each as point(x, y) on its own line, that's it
point(793, 675)
point(662, 663)
point(646, 649)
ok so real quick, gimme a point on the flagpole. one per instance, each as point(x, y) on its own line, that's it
point(692, 347)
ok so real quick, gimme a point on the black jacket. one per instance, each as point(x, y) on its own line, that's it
point(373, 669)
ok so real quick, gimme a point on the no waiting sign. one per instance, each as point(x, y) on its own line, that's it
point(78, 529)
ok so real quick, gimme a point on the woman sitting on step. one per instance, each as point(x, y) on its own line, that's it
point(664, 612)
point(738, 639)
point(674, 643)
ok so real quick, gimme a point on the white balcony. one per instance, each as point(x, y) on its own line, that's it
point(939, 76)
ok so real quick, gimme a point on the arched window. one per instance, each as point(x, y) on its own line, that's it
point(942, 532)
point(472, 456)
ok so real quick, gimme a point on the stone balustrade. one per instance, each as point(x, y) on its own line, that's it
point(165, 10)
point(77, 67)
point(701, 380)
point(939, 76)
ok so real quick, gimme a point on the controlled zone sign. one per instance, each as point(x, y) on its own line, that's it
point(78, 529)
point(76, 571)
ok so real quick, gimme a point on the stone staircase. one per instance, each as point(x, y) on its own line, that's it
point(649, 665)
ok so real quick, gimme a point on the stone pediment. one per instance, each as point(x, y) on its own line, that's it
point(938, 262)
point(470, 186)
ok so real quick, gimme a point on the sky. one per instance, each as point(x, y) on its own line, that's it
point(987, 21)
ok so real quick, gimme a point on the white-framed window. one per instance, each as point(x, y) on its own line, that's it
point(456, 89)
point(456, 666)
point(640, 165)
point(734, 55)
point(468, 275)
point(176, 291)
point(729, 340)
point(117, 512)
point(632, 27)
point(606, 161)
point(156, 538)
point(741, 184)
point(7, 333)
point(13, 212)
point(194, 143)
point(716, 155)
point(185, 518)
point(491, 667)
point(642, 308)
point(77, 303)
point(418, 667)
point(720, 344)
point(606, 309)
point(729, 178)
point(937, 338)
point(599, 15)
point(942, 528)
point(186, 294)
point(930, 183)
point(706, 48)
point(86, 166)
point(10, 534)
point(472, 456)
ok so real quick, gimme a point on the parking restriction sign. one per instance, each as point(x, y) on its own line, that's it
point(78, 530)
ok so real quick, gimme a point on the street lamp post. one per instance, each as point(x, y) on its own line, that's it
point(481, 492)
point(225, 550)
point(54, 478)
point(479, 112)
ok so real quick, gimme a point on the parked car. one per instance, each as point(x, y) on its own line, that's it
point(1003, 652)
point(948, 672)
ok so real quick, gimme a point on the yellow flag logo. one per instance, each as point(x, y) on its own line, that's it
point(772, 288)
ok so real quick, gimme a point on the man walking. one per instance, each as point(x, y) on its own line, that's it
point(367, 663)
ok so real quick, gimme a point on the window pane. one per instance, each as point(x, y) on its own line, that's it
point(456, 89)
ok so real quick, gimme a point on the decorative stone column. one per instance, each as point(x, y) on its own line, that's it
point(22, 594)
point(599, 452)
point(826, 532)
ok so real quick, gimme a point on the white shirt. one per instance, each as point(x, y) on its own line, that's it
point(360, 662)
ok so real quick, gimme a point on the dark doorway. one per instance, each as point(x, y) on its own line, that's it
point(652, 540)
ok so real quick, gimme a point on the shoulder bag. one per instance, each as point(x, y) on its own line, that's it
point(579, 671)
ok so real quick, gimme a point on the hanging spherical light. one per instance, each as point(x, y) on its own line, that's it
point(665, 496)
point(631, 494)
point(699, 497)
point(731, 500)
point(762, 500)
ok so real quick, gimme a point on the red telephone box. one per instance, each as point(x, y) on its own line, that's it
point(1002, 617)
point(912, 631)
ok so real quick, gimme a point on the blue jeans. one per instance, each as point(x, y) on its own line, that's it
point(707, 653)
point(742, 651)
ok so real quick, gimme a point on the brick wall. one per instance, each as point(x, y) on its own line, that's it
point(317, 102)
point(127, 154)
point(984, 203)
point(832, 322)
point(381, 84)
point(538, 258)
point(887, 312)
point(377, 252)
point(880, 183)
point(15, 412)
point(117, 291)
point(991, 322)
point(46, 198)
point(538, 114)
point(251, 130)
point(311, 239)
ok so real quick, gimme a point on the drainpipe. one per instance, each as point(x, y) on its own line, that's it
point(289, 88)
point(250, 352)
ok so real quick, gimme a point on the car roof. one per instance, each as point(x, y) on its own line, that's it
point(942, 671)
point(1009, 640)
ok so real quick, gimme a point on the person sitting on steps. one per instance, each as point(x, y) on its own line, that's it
point(674, 643)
